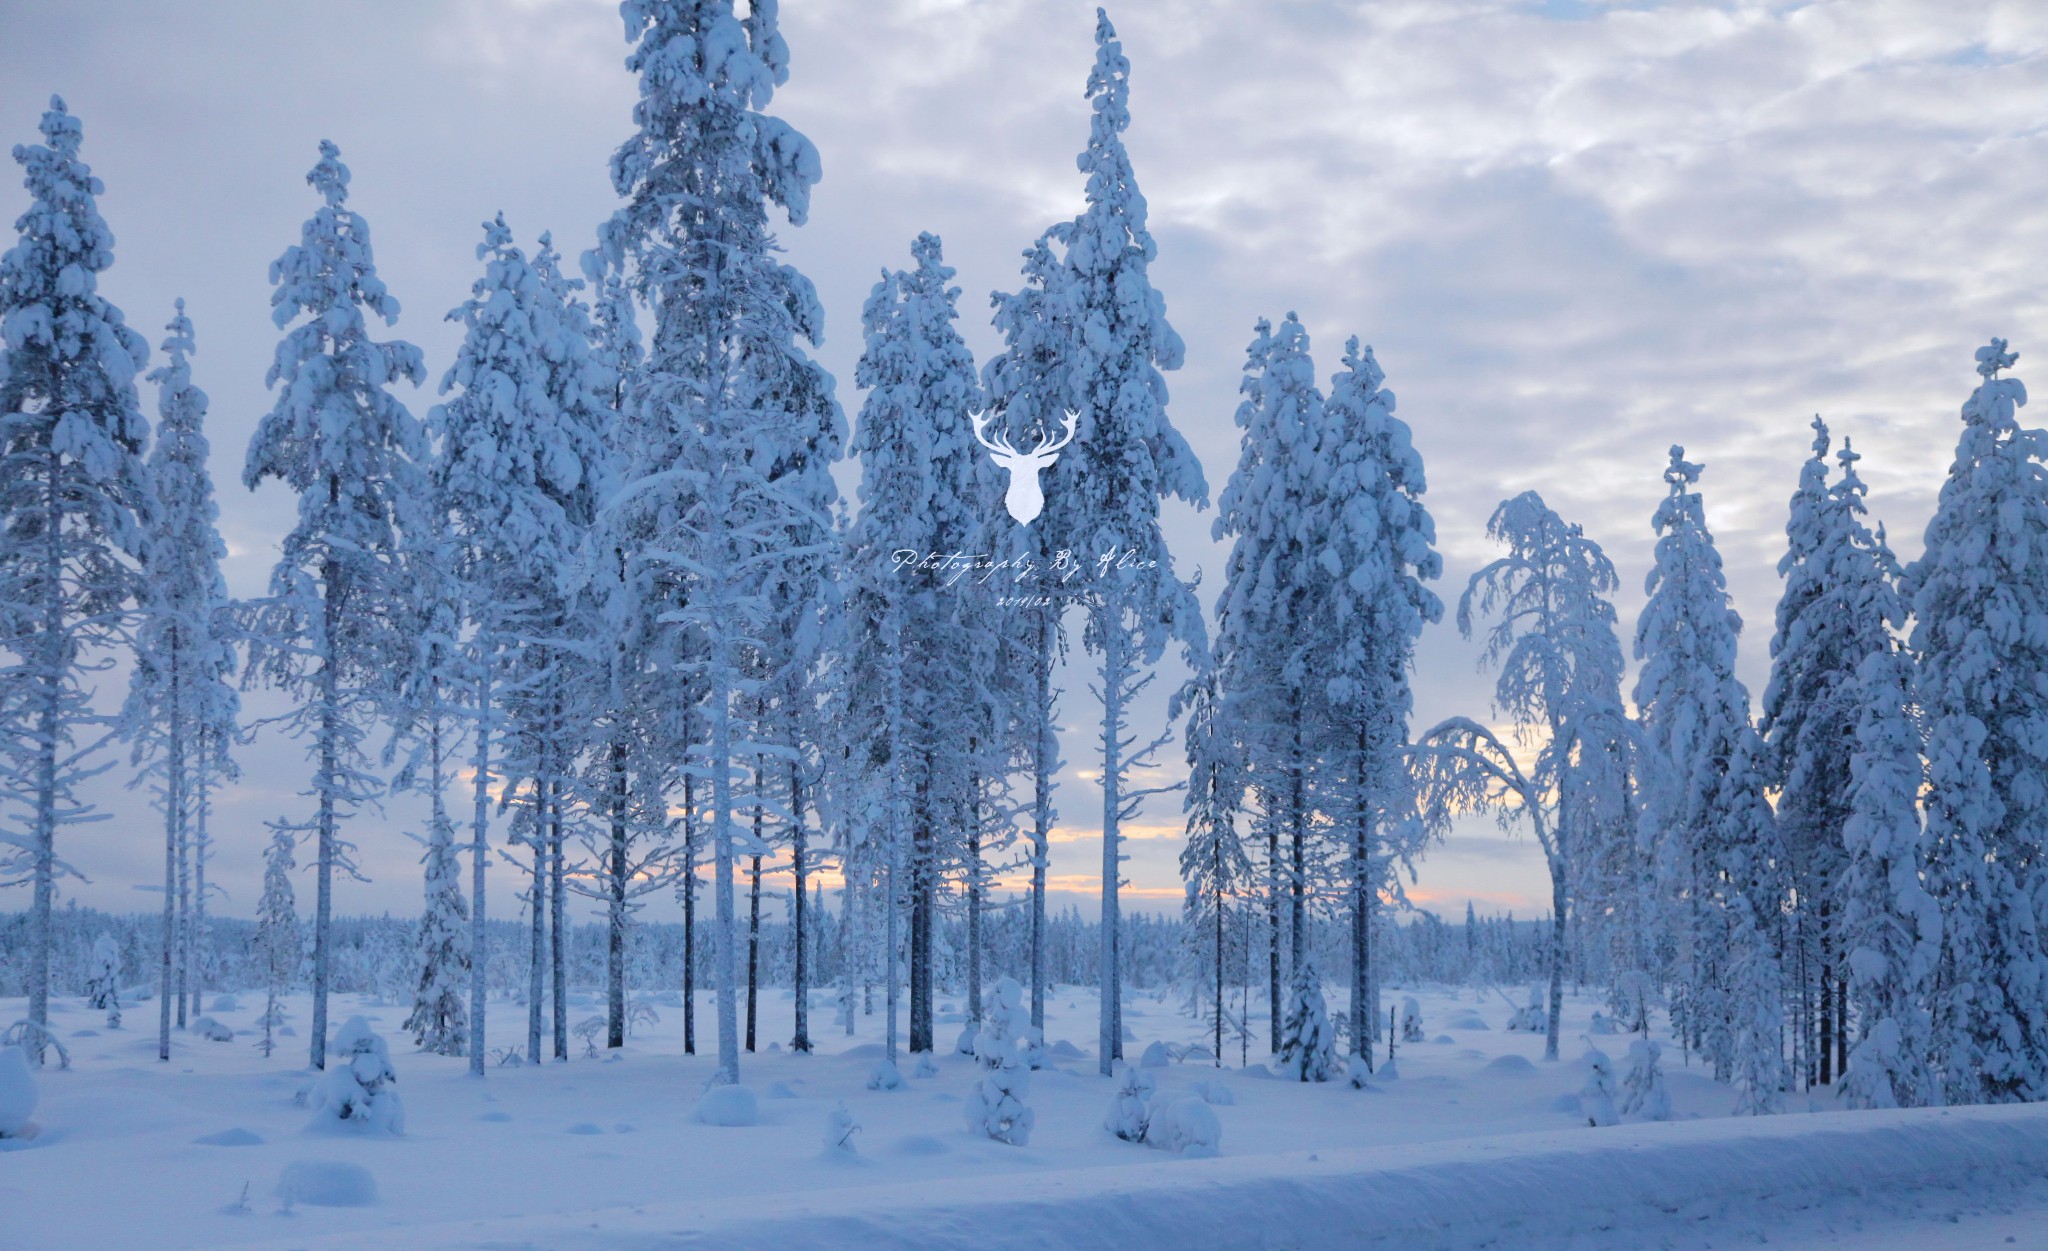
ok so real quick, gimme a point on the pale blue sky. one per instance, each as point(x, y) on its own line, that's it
point(1575, 233)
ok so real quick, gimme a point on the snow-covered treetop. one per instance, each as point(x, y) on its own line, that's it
point(334, 426)
point(1375, 540)
point(522, 454)
point(1686, 636)
point(67, 360)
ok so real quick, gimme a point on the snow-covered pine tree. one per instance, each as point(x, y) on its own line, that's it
point(1694, 714)
point(332, 632)
point(1213, 864)
point(519, 468)
point(1839, 604)
point(277, 928)
point(74, 498)
point(1554, 646)
point(922, 491)
point(1027, 384)
point(1891, 926)
point(182, 703)
point(1983, 688)
point(1372, 543)
point(1263, 648)
point(728, 424)
point(1750, 892)
point(1308, 1043)
point(1125, 457)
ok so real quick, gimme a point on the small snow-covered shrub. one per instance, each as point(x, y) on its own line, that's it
point(355, 1091)
point(226, 1003)
point(926, 1066)
point(884, 1076)
point(1643, 1092)
point(996, 1104)
point(103, 985)
point(1602, 1024)
point(1130, 1107)
point(840, 1128)
point(1596, 1097)
point(964, 1045)
point(1214, 1092)
point(1155, 1056)
point(328, 1184)
point(17, 1092)
point(1184, 1123)
point(1356, 1074)
point(728, 1105)
point(1530, 1019)
point(1411, 1020)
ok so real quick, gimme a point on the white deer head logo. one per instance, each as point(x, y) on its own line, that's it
point(1024, 499)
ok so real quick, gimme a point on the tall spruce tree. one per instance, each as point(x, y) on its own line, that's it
point(728, 425)
point(1976, 591)
point(1105, 490)
point(1265, 646)
point(182, 705)
point(74, 504)
point(1373, 543)
point(333, 633)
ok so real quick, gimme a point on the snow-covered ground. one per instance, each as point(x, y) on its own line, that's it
point(1471, 1146)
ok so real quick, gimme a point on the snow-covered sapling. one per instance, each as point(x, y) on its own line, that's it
point(840, 1129)
point(103, 986)
point(1530, 1018)
point(17, 1092)
point(356, 1092)
point(1130, 1110)
point(884, 1076)
point(1643, 1092)
point(1596, 1097)
point(1308, 1045)
point(996, 1105)
point(1411, 1020)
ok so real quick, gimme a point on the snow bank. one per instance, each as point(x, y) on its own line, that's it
point(327, 1184)
point(730, 1106)
point(1628, 1186)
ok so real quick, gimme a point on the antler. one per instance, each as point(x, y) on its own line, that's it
point(1001, 447)
point(1048, 447)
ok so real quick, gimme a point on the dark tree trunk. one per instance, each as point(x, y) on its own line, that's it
point(801, 1041)
point(615, 929)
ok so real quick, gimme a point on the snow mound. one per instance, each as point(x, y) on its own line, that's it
point(964, 1045)
point(1064, 1050)
point(230, 1138)
point(920, 1145)
point(1213, 1092)
point(884, 1077)
point(781, 1090)
point(585, 1127)
point(327, 1184)
point(212, 1030)
point(1510, 1066)
point(85, 1033)
point(1155, 1057)
point(226, 1003)
point(1391, 1071)
point(17, 1092)
point(729, 1106)
point(1184, 1124)
point(1443, 1038)
point(1467, 1021)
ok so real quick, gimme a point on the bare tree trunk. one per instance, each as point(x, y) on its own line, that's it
point(1362, 1018)
point(324, 783)
point(200, 944)
point(1557, 926)
point(174, 807)
point(558, 903)
point(615, 928)
point(973, 886)
point(753, 933)
point(479, 849)
point(537, 913)
point(1115, 680)
point(1273, 931)
point(921, 899)
point(689, 910)
point(1043, 753)
point(800, 1042)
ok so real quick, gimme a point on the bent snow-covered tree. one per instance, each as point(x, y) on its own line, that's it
point(1553, 643)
